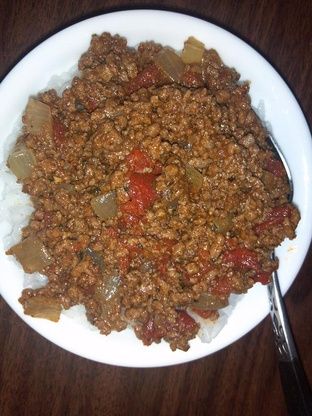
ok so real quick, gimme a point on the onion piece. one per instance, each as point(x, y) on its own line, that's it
point(223, 224)
point(193, 51)
point(32, 254)
point(21, 161)
point(170, 63)
point(105, 206)
point(107, 289)
point(38, 118)
point(207, 301)
point(194, 178)
point(42, 307)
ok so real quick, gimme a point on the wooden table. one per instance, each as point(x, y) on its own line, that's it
point(38, 378)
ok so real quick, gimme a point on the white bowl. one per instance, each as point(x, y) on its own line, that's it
point(59, 54)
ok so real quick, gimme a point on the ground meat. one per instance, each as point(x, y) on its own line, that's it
point(198, 198)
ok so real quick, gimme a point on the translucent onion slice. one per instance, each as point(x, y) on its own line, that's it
point(105, 206)
point(223, 224)
point(193, 51)
point(42, 307)
point(21, 161)
point(32, 254)
point(38, 118)
point(107, 289)
point(210, 302)
point(194, 178)
point(170, 63)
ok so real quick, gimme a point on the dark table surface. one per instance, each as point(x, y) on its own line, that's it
point(39, 378)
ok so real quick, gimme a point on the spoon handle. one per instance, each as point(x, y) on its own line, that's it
point(295, 383)
point(296, 388)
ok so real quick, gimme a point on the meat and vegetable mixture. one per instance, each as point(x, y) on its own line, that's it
point(155, 189)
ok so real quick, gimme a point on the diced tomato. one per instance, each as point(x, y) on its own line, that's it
point(133, 208)
point(150, 332)
point(262, 277)
point(185, 322)
point(242, 258)
point(192, 79)
point(142, 194)
point(128, 220)
point(58, 132)
point(141, 189)
point(138, 161)
point(148, 77)
point(206, 314)
point(274, 217)
point(275, 167)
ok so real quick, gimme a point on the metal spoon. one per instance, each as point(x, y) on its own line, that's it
point(294, 381)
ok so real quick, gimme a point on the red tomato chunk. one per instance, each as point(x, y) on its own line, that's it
point(274, 217)
point(145, 79)
point(138, 161)
point(242, 258)
point(275, 167)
